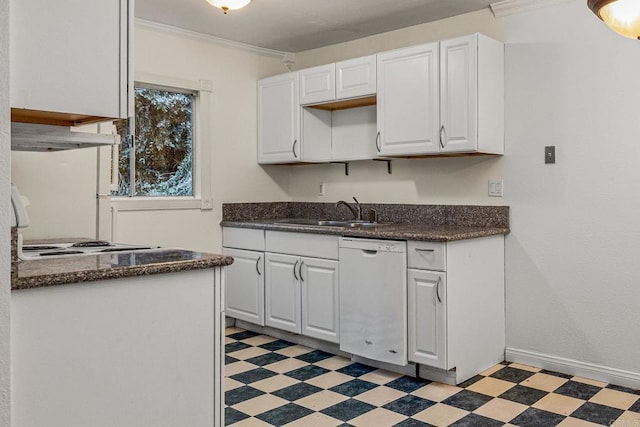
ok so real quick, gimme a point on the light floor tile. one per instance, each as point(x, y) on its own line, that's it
point(544, 382)
point(260, 404)
point(558, 404)
point(380, 376)
point(228, 340)
point(316, 419)
point(334, 363)
point(628, 419)
point(380, 396)
point(589, 381)
point(259, 340)
point(524, 367)
point(436, 392)
point(321, 400)
point(248, 353)
point(238, 367)
point(277, 382)
point(501, 409)
point(491, 386)
point(232, 330)
point(330, 379)
point(251, 422)
point(378, 417)
point(440, 415)
point(230, 384)
point(614, 398)
point(287, 365)
point(575, 422)
point(294, 350)
point(492, 369)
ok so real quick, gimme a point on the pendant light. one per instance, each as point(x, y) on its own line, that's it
point(623, 16)
point(227, 5)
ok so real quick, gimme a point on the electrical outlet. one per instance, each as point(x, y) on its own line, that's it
point(496, 187)
point(321, 190)
point(550, 154)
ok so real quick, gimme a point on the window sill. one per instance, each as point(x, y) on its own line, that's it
point(159, 203)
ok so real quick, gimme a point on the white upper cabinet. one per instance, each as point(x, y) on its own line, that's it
point(279, 120)
point(408, 102)
point(356, 77)
point(69, 60)
point(472, 95)
point(317, 84)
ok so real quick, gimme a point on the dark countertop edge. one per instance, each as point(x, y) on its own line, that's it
point(54, 279)
point(422, 232)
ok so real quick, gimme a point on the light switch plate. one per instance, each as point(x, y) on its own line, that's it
point(550, 154)
point(496, 187)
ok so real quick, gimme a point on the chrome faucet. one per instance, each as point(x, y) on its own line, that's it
point(357, 211)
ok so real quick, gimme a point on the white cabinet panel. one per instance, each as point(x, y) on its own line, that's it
point(282, 292)
point(279, 120)
point(317, 84)
point(427, 318)
point(244, 286)
point(320, 298)
point(302, 244)
point(356, 77)
point(408, 101)
point(243, 238)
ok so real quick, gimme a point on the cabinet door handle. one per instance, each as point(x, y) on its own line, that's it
point(442, 140)
point(438, 289)
point(300, 271)
point(294, 269)
point(293, 148)
point(425, 250)
point(258, 266)
point(378, 141)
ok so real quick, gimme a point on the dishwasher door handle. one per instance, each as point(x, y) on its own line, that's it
point(369, 252)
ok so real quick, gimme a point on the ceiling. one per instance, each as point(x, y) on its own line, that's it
point(298, 25)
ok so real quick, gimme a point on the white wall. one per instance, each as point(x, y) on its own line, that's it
point(5, 247)
point(572, 266)
point(431, 181)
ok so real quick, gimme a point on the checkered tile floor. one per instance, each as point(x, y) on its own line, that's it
point(271, 382)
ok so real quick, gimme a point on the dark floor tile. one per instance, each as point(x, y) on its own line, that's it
point(266, 359)
point(345, 425)
point(353, 387)
point(598, 414)
point(533, 417)
point(411, 422)
point(409, 405)
point(240, 394)
point(243, 335)
point(306, 372)
point(235, 346)
point(514, 375)
point(471, 381)
point(314, 356)
point(229, 360)
point(276, 345)
point(348, 410)
point(253, 375)
point(577, 390)
point(356, 369)
point(525, 395)
point(474, 420)
point(635, 407)
point(556, 374)
point(297, 391)
point(232, 416)
point(284, 414)
point(407, 384)
point(623, 389)
point(467, 400)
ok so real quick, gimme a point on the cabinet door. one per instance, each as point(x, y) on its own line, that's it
point(356, 77)
point(427, 313)
point(408, 101)
point(282, 292)
point(317, 84)
point(244, 286)
point(279, 120)
point(69, 56)
point(458, 94)
point(320, 298)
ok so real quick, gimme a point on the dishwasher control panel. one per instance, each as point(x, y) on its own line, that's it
point(374, 245)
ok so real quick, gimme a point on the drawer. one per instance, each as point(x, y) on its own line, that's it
point(243, 238)
point(426, 255)
point(302, 244)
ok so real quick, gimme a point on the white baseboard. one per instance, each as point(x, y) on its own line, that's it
point(574, 367)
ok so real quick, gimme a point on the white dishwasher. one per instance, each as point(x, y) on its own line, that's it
point(373, 299)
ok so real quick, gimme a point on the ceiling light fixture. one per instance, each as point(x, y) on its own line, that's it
point(227, 5)
point(623, 16)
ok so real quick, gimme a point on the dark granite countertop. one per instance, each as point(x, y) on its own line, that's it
point(399, 231)
point(88, 268)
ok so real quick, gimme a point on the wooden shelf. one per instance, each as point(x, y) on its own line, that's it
point(346, 104)
point(20, 115)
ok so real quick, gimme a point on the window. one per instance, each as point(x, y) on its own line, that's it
point(159, 159)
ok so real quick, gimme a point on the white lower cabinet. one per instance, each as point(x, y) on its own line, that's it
point(282, 292)
point(245, 297)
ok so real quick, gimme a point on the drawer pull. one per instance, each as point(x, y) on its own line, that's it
point(425, 250)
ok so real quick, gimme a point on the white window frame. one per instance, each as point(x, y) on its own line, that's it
point(201, 146)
